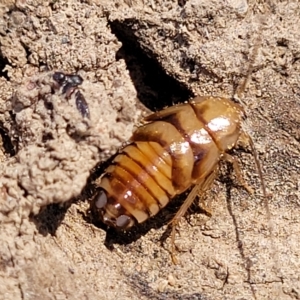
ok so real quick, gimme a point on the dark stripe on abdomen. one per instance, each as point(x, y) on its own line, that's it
point(149, 191)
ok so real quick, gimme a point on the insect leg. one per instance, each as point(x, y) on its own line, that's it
point(198, 190)
point(237, 170)
point(82, 105)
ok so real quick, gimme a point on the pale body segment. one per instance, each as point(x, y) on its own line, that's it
point(179, 147)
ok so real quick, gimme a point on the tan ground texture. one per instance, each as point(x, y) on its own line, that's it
point(155, 53)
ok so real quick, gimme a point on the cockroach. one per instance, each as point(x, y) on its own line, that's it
point(69, 84)
point(178, 147)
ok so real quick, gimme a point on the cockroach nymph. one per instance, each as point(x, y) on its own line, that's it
point(69, 84)
point(179, 147)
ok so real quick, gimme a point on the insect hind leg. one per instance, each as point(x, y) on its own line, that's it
point(198, 190)
point(231, 159)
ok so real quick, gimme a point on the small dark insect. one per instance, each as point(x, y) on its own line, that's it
point(69, 84)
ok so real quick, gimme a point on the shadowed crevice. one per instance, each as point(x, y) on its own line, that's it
point(7, 142)
point(155, 88)
point(3, 63)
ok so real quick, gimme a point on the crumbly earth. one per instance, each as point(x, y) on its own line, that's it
point(134, 54)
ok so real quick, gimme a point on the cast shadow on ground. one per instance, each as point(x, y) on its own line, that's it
point(50, 218)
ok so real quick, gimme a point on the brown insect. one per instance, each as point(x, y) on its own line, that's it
point(179, 147)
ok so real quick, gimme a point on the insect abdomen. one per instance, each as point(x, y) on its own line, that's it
point(137, 184)
point(179, 147)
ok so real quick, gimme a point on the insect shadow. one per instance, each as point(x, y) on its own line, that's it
point(50, 218)
point(226, 179)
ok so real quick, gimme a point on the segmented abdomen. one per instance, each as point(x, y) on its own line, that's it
point(179, 147)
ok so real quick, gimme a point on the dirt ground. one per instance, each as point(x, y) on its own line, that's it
point(136, 56)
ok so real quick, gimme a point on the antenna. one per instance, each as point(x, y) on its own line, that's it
point(238, 95)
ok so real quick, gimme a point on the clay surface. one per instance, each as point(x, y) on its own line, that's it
point(136, 56)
